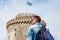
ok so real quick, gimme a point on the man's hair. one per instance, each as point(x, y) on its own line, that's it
point(38, 17)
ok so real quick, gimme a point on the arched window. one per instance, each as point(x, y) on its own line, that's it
point(19, 21)
point(27, 22)
point(15, 34)
point(24, 22)
point(15, 29)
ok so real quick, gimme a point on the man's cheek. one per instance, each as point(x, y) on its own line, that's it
point(34, 21)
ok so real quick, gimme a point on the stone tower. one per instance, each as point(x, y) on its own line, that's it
point(17, 28)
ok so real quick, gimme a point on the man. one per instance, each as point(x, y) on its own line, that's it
point(34, 28)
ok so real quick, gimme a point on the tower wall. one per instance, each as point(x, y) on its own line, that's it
point(17, 28)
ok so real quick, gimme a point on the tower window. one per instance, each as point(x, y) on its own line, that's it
point(15, 34)
point(15, 29)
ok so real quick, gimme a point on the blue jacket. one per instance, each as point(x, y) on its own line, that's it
point(33, 30)
point(34, 34)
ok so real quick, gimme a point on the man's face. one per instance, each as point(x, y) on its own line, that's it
point(34, 20)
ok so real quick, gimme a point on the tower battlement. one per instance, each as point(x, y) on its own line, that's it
point(18, 26)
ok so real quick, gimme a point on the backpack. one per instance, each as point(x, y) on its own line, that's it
point(44, 34)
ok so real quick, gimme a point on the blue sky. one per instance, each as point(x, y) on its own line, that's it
point(49, 10)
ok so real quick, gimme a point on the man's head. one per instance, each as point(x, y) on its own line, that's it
point(36, 19)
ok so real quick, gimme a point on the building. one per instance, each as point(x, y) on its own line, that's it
point(17, 28)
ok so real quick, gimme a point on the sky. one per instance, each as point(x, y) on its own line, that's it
point(48, 10)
